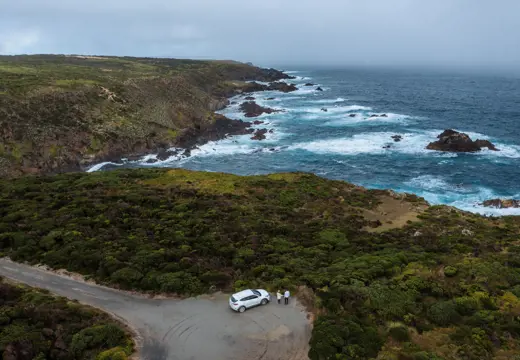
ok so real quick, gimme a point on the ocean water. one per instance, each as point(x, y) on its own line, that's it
point(419, 106)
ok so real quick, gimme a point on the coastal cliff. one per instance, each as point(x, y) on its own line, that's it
point(64, 113)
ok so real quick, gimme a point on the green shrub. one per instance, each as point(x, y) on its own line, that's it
point(116, 353)
point(340, 337)
point(98, 337)
point(128, 277)
point(450, 271)
point(398, 332)
point(443, 313)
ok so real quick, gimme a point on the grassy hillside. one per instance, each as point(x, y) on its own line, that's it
point(388, 276)
point(37, 326)
point(60, 113)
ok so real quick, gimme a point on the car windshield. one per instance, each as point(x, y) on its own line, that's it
point(233, 299)
point(256, 292)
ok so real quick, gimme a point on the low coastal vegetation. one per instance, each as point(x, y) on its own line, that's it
point(386, 275)
point(35, 325)
point(60, 113)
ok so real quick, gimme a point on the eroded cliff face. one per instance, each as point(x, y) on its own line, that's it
point(61, 113)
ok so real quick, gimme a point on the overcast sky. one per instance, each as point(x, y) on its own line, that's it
point(454, 33)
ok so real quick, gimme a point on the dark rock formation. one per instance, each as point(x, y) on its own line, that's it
point(221, 128)
point(324, 109)
point(252, 109)
point(451, 140)
point(376, 115)
point(249, 98)
point(282, 86)
point(502, 203)
point(259, 134)
point(397, 138)
point(387, 146)
point(319, 89)
point(257, 122)
point(352, 115)
point(270, 98)
point(309, 84)
point(486, 143)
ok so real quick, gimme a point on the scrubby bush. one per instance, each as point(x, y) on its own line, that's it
point(343, 337)
point(163, 230)
point(39, 326)
point(97, 338)
point(450, 271)
point(443, 313)
point(398, 332)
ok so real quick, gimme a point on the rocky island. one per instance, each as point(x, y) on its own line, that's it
point(451, 140)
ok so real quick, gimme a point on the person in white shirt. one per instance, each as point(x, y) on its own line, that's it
point(286, 296)
point(279, 296)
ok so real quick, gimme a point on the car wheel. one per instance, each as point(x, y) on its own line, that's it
point(264, 301)
point(242, 309)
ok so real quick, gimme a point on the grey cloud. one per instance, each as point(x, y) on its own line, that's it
point(456, 33)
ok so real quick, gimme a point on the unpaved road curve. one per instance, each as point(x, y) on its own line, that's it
point(193, 329)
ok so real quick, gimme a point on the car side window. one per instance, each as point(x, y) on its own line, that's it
point(250, 297)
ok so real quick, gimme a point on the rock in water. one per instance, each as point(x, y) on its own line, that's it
point(259, 134)
point(324, 109)
point(252, 109)
point(352, 115)
point(319, 89)
point(282, 86)
point(397, 138)
point(249, 98)
point(309, 84)
point(451, 140)
point(502, 203)
point(486, 143)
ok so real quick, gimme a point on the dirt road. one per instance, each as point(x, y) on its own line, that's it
point(193, 329)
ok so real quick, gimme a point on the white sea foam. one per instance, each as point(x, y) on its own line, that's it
point(436, 190)
point(411, 143)
point(364, 119)
point(329, 101)
point(99, 166)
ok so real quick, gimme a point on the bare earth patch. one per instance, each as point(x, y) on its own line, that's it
point(393, 213)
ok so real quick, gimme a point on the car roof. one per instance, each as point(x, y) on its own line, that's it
point(243, 293)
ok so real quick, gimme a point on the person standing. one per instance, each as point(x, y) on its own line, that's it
point(286, 296)
point(279, 296)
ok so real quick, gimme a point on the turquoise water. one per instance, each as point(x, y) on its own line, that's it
point(418, 107)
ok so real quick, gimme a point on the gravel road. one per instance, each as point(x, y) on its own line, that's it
point(199, 328)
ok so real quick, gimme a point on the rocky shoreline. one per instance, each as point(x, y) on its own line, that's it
point(221, 127)
point(142, 106)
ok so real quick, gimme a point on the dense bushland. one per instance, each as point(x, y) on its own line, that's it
point(444, 286)
point(35, 325)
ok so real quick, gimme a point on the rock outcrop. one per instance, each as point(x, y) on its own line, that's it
point(324, 109)
point(309, 84)
point(252, 109)
point(282, 86)
point(249, 98)
point(397, 138)
point(454, 141)
point(502, 203)
point(319, 89)
point(259, 134)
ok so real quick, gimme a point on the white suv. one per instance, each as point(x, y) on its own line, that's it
point(248, 298)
